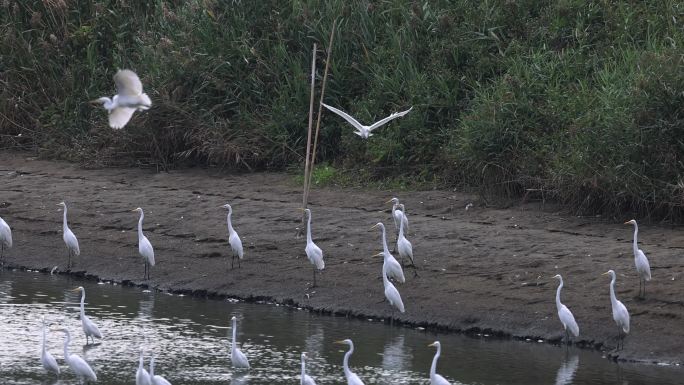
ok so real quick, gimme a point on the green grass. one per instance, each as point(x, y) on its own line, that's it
point(582, 99)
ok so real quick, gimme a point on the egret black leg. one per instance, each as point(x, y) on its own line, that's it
point(314, 276)
point(239, 264)
point(232, 261)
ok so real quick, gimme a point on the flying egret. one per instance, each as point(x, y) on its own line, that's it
point(404, 246)
point(565, 315)
point(391, 293)
point(620, 313)
point(156, 379)
point(129, 98)
point(47, 359)
point(313, 252)
point(436, 379)
point(394, 269)
point(233, 238)
point(237, 358)
point(352, 378)
point(305, 379)
point(361, 130)
point(142, 377)
point(89, 327)
point(640, 260)
point(5, 239)
point(144, 246)
point(69, 237)
point(398, 215)
point(81, 368)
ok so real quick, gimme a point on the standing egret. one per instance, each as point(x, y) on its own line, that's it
point(640, 261)
point(81, 368)
point(436, 379)
point(565, 315)
point(404, 245)
point(142, 377)
point(352, 378)
point(313, 252)
point(156, 379)
point(361, 130)
point(233, 238)
point(144, 246)
point(394, 269)
point(5, 239)
point(48, 361)
point(620, 313)
point(89, 327)
point(391, 293)
point(305, 379)
point(129, 98)
point(237, 358)
point(398, 215)
point(69, 237)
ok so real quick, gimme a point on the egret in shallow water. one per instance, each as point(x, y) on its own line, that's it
point(156, 379)
point(394, 269)
point(89, 327)
point(620, 313)
point(436, 379)
point(5, 239)
point(129, 98)
point(640, 261)
point(305, 379)
point(365, 131)
point(69, 237)
point(391, 292)
point(142, 377)
point(233, 238)
point(81, 368)
point(47, 359)
point(237, 358)
point(352, 378)
point(565, 315)
point(144, 246)
point(313, 252)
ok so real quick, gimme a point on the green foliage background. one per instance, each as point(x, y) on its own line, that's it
point(582, 99)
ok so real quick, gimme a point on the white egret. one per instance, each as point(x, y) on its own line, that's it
point(398, 215)
point(233, 238)
point(129, 98)
point(313, 252)
point(404, 246)
point(81, 368)
point(69, 237)
point(237, 358)
point(640, 260)
point(391, 292)
point(89, 327)
point(5, 239)
point(156, 379)
point(565, 315)
point(142, 377)
point(436, 379)
point(144, 246)
point(620, 313)
point(305, 379)
point(394, 269)
point(47, 359)
point(361, 130)
point(352, 378)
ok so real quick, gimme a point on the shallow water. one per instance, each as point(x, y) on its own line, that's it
point(190, 339)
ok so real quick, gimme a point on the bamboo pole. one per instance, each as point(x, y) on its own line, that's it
point(305, 195)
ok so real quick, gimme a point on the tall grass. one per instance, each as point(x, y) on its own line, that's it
point(580, 99)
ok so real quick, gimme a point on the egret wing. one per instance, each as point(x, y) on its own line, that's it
point(347, 117)
point(118, 117)
point(127, 83)
point(387, 119)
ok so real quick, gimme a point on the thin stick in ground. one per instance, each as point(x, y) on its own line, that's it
point(308, 141)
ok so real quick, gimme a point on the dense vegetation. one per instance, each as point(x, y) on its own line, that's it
point(583, 100)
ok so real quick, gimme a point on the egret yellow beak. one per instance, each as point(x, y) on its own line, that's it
point(374, 226)
point(76, 289)
point(389, 201)
point(339, 342)
point(432, 344)
point(606, 273)
point(627, 223)
point(378, 254)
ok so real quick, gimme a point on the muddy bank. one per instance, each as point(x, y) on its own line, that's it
point(480, 269)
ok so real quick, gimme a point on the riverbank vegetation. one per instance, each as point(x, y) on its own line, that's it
point(581, 101)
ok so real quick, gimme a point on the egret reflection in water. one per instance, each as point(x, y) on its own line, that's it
point(567, 370)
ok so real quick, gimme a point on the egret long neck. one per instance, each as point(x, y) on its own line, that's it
point(140, 361)
point(230, 225)
point(345, 362)
point(308, 228)
point(613, 300)
point(82, 303)
point(64, 222)
point(151, 368)
point(233, 347)
point(634, 243)
point(401, 225)
point(140, 221)
point(303, 371)
point(433, 368)
point(558, 291)
point(385, 280)
point(67, 339)
point(385, 249)
point(44, 336)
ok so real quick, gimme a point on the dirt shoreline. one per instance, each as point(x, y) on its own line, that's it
point(482, 269)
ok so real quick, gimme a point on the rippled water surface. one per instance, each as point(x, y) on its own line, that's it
point(190, 339)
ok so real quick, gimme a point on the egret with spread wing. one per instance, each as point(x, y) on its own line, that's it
point(361, 130)
point(129, 98)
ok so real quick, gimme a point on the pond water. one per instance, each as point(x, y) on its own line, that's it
point(190, 337)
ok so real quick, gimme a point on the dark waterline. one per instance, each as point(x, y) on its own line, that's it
point(190, 337)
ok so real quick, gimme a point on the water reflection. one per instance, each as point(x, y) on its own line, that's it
point(240, 379)
point(567, 370)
